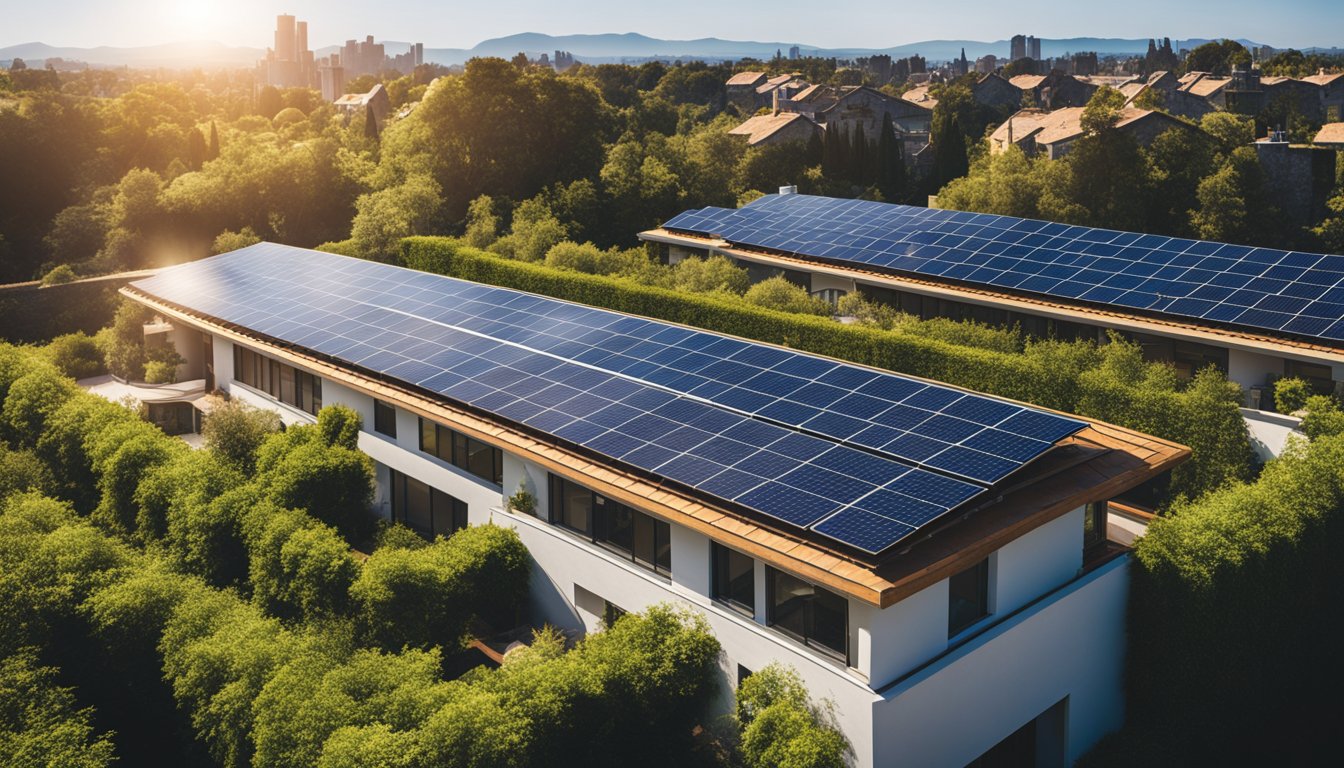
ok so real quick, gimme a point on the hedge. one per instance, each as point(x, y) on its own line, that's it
point(1050, 374)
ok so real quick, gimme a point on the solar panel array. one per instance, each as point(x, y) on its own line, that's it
point(1289, 292)
point(861, 456)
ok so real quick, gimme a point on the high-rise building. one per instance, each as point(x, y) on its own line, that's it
point(289, 64)
point(795, 53)
point(1033, 48)
point(1017, 48)
point(332, 76)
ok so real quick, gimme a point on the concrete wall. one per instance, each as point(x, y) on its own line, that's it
point(1251, 369)
point(1069, 646)
point(1270, 432)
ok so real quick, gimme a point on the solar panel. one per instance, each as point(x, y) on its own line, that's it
point(1264, 289)
point(806, 441)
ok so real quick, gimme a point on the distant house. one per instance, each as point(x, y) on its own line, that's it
point(780, 128)
point(1055, 90)
point(847, 107)
point(920, 95)
point(1052, 133)
point(1174, 100)
point(1331, 94)
point(995, 92)
point(1331, 135)
point(1300, 178)
point(354, 104)
point(1207, 87)
point(751, 91)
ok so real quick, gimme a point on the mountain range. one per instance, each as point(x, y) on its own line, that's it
point(595, 49)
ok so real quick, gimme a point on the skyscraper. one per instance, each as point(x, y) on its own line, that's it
point(1018, 48)
point(1033, 48)
point(289, 64)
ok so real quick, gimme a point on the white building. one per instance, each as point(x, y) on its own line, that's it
point(995, 629)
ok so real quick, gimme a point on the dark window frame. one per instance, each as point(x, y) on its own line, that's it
point(279, 381)
point(385, 418)
point(606, 523)
point(963, 613)
point(1094, 525)
point(722, 587)
point(444, 507)
point(475, 457)
point(806, 610)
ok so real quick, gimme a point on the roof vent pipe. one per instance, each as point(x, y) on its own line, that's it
point(791, 189)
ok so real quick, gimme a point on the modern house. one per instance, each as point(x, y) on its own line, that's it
point(933, 561)
point(1255, 313)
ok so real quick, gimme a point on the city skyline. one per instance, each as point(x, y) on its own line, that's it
point(92, 23)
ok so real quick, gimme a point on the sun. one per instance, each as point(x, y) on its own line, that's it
point(193, 16)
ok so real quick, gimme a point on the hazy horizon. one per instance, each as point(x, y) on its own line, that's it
point(135, 23)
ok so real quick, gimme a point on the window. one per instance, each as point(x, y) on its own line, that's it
point(427, 510)
point(967, 597)
point(816, 616)
point(282, 382)
point(480, 459)
point(384, 418)
point(1094, 525)
point(734, 579)
point(611, 613)
point(1318, 376)
point(640, 538)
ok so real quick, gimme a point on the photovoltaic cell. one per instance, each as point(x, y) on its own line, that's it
point(807, 441)
point(1262, 289)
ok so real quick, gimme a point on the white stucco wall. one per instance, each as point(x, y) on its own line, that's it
point(1270, 432)
point(822, 282)
point(1250, 369)
point(1070, 645)
point(1036, 563)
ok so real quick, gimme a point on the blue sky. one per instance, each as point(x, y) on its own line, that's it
point(845, 23)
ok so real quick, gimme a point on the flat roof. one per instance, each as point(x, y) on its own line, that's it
point(1292, 296)
point(1100, 461)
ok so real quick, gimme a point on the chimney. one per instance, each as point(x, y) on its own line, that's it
point(775, 100)
point(791, 189)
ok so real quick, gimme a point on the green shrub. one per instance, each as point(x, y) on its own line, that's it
point(32, 399)
point(188, 479)
point(229, 240)
point(780, 294)
point(1323, 418)
point(781, 728)
point(68, 440)
point(125, 346)
point(22, 471)
point(120, 474)
point(715, 274)
point(298, 469)
point(60, 275)
point(397, 536)
point(234, 430)
point(299, 569)
point(40, 722)
point(340, 425)
point(1290, 394)
point(76, 355)
point(424, 597)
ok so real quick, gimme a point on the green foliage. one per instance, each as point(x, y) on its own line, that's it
point(424, 597)
point(229, 240)
point(334, 483)
point(234, 430)
point(1218, 58)
point(125, 343)
point(522, 500)
point(185, 481)
point(120, 471)
point(397, 536)
point(482, 223)
point(1290, 394)
point(40, 722)
point(587, 257)
point(76, 355)
point(779, 294)
point(339, 426)
point(715, 274)
point(384, 217)
point(22, 471)
point(161, 372)
point(31, 400)
point(59, 275)
point(299, 569)
point(1249, 570)
point(534, 233)
point(1324, 417)
point(780, 727)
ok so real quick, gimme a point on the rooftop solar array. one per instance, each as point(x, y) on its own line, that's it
point(863, 457)
point(1261, 289)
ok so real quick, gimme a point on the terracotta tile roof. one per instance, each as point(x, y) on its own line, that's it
point(1323, 78)
point(745, 78)
point(1203, 84)
point(1027, 82)
point(758, 128)
point(1330, 133)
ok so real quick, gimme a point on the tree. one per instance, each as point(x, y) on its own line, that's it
point(214, 142)
point(234, 430)
point(1103, 111)
point(232, 241)
point(384, 217)
point(715, 274)
point(780, 294)
point(890, 162)
point(1218, 58)
point(269, 102)
point(482, 223)
point(40, 722)
point(949, 159)
point(370, 123)
point(780, 726)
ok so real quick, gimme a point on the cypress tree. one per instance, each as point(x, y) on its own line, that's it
point(832, 155)
point(370, 123)
point(214, 142)
point(890, 162)
point(860, 166)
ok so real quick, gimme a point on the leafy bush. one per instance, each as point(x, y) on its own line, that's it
point(40, 722)
point(31, 400)
point(780, 294)
point(1324, 417)
point(1290, 394)
point(76, 355)
point(781, 728)
point(299, 470)
point(60, 275)
point(229, 240)
point(424, 597)
point(397, 536)
point(339, 425)
point(234, 430)
point(299, 568)
point(125, 350)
